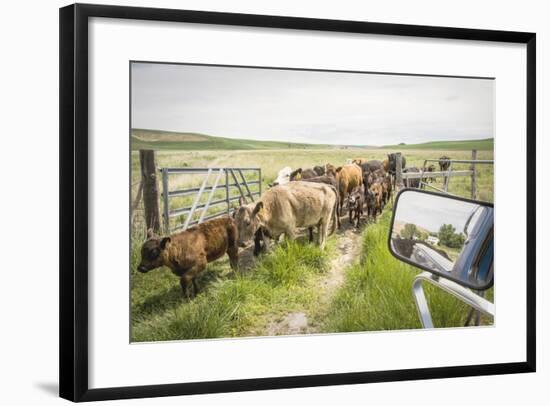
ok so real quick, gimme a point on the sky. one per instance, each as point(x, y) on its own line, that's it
point(312, 107)
point(431, 212)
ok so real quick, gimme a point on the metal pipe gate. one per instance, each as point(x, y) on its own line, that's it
point(225, 179)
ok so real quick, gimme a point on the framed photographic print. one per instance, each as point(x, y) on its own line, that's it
point(256, 202)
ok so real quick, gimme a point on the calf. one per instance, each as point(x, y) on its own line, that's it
point(377, 201)
point(284, 208)
point(413, 183)
point(187, 253)
point(356, 200)
point(389, 187)
point(370, 200)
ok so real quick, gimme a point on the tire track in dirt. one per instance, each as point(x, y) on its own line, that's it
point(349, 247)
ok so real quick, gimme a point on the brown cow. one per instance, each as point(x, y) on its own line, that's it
point(412, 183)
point(302, 174)
point(348, 177)
point(377, 190)
point(359, 161)
point(356, 200)
point(371, 166)
point(386, 164)
point(370, 199)
point(187, 253)
point(444, 163)
point(330, 170)
point(284, 208)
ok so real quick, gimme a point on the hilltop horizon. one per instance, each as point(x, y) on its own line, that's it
point(168, 139)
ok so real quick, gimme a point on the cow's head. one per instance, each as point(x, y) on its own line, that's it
point(377, 191)
point(283, 176)
point(296, 175)
point(319, 170)
point(152, 252)
point(246, 217)
point(370, 197)
point(392, 159)
point(354, 197)
point(331, 170)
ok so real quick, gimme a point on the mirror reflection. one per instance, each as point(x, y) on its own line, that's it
point(450, 237)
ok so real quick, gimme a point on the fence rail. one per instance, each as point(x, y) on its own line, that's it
point(438, 174)
point(226, 180)
point(403, 178)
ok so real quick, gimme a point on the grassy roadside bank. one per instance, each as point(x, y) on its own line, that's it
point(377, 295)
point(230, 304)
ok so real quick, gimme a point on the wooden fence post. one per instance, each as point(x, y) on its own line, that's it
point(150, 189)
point(398, 171)
point(474, 174)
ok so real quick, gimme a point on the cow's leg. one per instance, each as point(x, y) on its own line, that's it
point(290, 234)
point(258, 237)
point(338, 211)
point(188, 278)
point(265, 239)
point(310, 230)
point(185, 281)
point(233, 254)
point(323, 230)
point(350, 214)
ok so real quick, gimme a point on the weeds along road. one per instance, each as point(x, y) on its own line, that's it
point(348, 249)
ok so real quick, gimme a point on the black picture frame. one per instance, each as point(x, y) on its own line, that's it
point(73, 277)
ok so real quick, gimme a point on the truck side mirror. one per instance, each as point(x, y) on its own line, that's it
point(446, 235)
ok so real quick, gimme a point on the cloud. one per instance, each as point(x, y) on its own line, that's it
point(316, 107)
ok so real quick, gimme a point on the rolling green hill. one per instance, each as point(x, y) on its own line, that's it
point(481, 145)
point(167, 140)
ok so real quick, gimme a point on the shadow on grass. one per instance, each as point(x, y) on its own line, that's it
point(160, 302)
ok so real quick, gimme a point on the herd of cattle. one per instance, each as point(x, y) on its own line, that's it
point(301, 198)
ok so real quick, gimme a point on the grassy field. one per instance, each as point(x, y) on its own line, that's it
point(373, 291)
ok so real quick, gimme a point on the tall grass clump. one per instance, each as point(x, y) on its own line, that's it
point(292, 263)
point(377, 292)
point(229, 304)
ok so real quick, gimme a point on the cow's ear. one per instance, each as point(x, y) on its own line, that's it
point(150, 233)
point(259, 206)
point(338, 169)
point(234, 211)
point(164, 242)
point(242, 201)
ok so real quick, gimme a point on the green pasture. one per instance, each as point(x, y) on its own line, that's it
point(375, 293)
